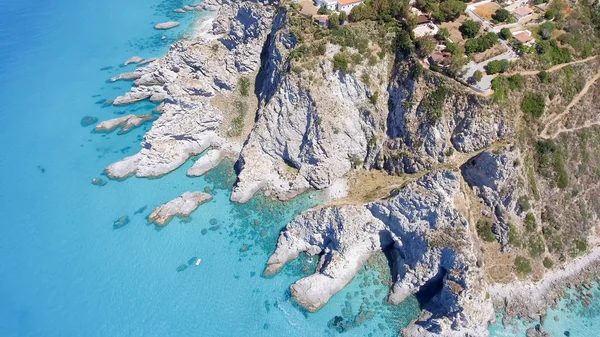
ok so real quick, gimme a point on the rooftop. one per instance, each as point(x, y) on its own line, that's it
point(348, 2)
point(523, 11)
point(523, 37)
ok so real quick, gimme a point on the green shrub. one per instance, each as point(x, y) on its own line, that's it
point(237, 125)
point(433, 103)
point(374, 98)
point(530, 223)
point(482, 43)
point(533, 104)
point(548, 264)
point(244, 86)
point(497, 66)
point(536, 245)
point(502, 15)
point(522, 265)
point(469, 29)
point(477, 75)
point(513, 236)
point(340, 62)
point(484, 229)
point(515, 82)
point(505, 33)
point(544, 77)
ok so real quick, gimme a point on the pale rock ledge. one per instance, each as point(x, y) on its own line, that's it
point(126, 123)
point(181, 206)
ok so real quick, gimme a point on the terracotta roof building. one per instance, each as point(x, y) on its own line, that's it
point(347, 5)
point(522, 12)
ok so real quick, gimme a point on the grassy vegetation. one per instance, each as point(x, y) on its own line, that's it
point(551, 162)
point(533, 104)
point(433, 103)
point(484, 229)
point(237, 124)
point(522, 265)
point(530, 223)
point(244, 86)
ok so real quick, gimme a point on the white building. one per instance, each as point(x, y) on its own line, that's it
point(329, 4)
point(347, 5)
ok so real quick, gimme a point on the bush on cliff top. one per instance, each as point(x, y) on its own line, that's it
point(522, 265)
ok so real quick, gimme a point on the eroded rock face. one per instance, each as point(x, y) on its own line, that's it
point(494, 176)
point(427, 239)
point(430, 118)
point(181, 206)
point(185, 80)
point(307, 136)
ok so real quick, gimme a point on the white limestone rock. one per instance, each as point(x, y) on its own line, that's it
point(126, 123)
point(422, 232)
point(181, 206)
point(166, 25)
point(185, 80)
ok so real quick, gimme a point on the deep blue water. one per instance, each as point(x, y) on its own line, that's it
point(65, 270)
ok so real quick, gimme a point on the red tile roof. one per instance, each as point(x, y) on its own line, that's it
point(348, 2)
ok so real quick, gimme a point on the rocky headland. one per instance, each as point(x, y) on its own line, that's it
point(471, 207)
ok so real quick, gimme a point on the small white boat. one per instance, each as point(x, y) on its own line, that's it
point(198, 262)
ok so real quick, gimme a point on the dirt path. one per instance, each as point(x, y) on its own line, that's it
point(588, 85)
point(551, 69)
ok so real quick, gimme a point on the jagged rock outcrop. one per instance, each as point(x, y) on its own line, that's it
point(427, 239)
point(425, 126)
point(306, 135)
point(185, 80)
point(494, 176)
point(181, 206)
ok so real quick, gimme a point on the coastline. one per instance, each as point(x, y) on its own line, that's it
point(532, 299)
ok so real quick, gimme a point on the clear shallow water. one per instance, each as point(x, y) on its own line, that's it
point(65, 270)
point(571, 316)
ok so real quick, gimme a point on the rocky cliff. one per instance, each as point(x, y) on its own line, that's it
point(427, 240)
point(300, 107)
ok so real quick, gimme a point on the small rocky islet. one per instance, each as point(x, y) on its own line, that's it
point(439, 178)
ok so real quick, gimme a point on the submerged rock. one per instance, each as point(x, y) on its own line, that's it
point(122, 221)
point(134, 59)
point(88, 120)
point(98, 182)
point(166, 25)
point(181, 206)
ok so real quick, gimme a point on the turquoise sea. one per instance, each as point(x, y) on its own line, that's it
point(65, 270)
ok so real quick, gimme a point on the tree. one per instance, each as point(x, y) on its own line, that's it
point(323, 11)
point(533, 104)
point(452, 9)
point(497, 66)
point(549, 15)
point(425, 46)
point(501, 15)
point(477, 75)
point(334, 20)
point(343, 17)
point(469, 29)
point(403, 43)
point(505, 34)
point(545, 30)
point(544, 77)
point(443, 34)
point(340, 62)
